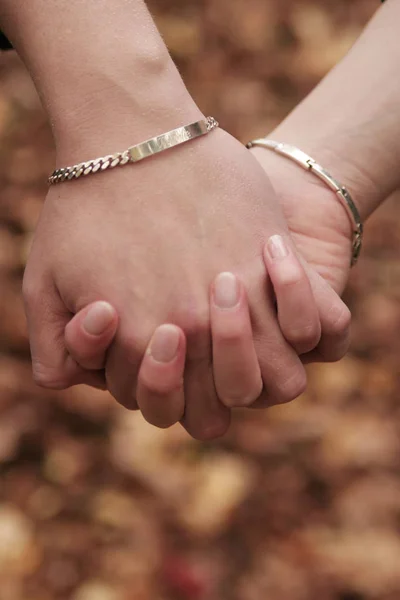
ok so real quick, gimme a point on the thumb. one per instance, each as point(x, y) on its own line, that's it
point(89, 334)
point(47, 317)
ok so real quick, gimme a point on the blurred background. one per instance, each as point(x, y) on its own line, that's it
point(300, 502)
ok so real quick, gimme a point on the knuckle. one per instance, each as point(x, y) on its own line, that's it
point(233, 335)
point(236, 399)
point(262, 402)
point(49, 377)
point(341, 320)
point(158, 386)
point(335, 354)
point(292, 387)
point(233, 400)
point(210, 431)
point(291, 277)
point(162, 421)
point(127, 399)
point(161, 424)
point(308, 335)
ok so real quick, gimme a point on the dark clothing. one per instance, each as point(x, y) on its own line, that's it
point(4, 43)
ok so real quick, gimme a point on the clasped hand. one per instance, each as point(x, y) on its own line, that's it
point(179, 285)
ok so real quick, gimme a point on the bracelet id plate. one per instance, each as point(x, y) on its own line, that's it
point(134, 154)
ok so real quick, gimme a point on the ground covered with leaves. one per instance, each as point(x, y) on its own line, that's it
point(301, 502)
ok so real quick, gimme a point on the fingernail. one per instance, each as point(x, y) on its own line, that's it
point(277, 247)
point(165, 343)
point(98, 318)
point(226, 290)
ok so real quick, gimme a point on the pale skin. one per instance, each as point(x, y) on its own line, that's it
point(233, 204)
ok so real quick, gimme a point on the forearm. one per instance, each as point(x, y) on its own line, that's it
point(101, 69)
point(351, 122)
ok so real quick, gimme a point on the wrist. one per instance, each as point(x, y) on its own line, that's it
point(359, 168)
point(289, 180)
point(103, 73)
point(116, 109)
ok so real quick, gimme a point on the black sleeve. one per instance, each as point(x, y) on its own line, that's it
point(4, 43)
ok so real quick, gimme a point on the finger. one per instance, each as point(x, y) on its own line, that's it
point(52, 365)
point(89, 334)
point(95, 379)
point(282, 371)
point(124, 359)
point(335, 319)
point(237, 374)
point(205, 418)
point(298, 314)
point(159, 391)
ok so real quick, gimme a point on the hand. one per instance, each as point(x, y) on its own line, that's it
point(322, 233)
point(228, 374)
point(317, 221)
point(235, 363)
point(152, 251)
